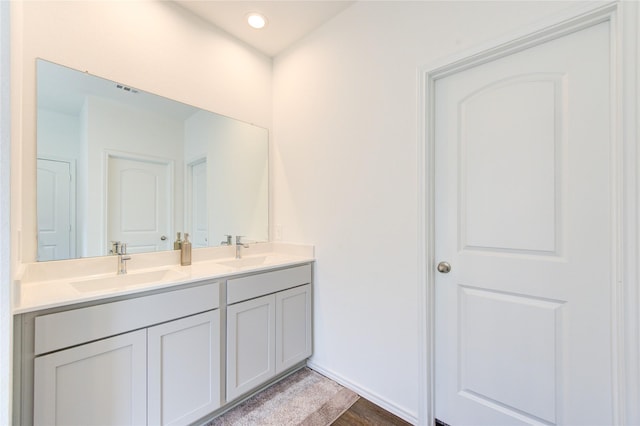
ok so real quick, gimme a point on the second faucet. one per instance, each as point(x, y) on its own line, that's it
point(239, 245)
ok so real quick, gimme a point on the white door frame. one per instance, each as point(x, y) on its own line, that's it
point(625, 40)
point(188, 196)
point(6, 236)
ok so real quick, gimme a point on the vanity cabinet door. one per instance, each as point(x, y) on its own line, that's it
point(293, 327)
point(104, 382)
point(250, 344)
point(184, 369)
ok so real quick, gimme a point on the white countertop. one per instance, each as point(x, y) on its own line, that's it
point(52, 284)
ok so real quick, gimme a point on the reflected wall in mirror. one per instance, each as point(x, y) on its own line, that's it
point(119, 164)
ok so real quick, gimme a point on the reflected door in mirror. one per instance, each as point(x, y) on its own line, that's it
point(139, 204)
point(54, 180)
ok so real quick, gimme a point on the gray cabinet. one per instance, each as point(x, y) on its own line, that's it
point(159, 358)
point(164, 374)
point(268, 327)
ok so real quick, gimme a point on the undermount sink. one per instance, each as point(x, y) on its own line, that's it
point(209, 267)
point(251, 261)
point(113, 282)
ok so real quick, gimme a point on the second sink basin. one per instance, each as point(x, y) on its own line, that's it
point(113, 282)
point(251, 261)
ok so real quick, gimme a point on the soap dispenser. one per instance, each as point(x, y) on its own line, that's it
point(177, 244)
point(185, 251)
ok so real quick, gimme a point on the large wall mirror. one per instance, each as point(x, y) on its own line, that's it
point(119, 164)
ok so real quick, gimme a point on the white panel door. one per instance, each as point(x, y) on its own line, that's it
point(54, 210)
point(184, 369)
point(523, 216)
point(99, 383)
point(198, 214)
point(139, 204)
point(250, 344)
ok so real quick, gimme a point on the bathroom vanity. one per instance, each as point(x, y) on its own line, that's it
point(110, 337)
point(160, 346)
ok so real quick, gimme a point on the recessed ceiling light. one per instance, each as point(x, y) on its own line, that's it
point(256, 20)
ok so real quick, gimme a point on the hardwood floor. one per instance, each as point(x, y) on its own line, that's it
point(365, 412)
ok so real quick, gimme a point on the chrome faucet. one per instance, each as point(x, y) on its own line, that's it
point(227, 242)
point(239, 245)
point(122, 259)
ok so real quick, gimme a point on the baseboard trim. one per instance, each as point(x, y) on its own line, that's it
point(365, 393)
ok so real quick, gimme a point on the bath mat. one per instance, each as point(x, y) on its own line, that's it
point(304, 398)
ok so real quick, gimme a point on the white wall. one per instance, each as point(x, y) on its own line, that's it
point(345, 175)
point(152, 45)
point(240, 198)
point(59, 134)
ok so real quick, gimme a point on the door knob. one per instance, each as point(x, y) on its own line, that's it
point(444, 267)
point(164, 237)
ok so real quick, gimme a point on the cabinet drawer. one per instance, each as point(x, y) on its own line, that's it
point(240, 289)
point(69, 328)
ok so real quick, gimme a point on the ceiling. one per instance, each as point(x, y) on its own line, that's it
point(287, 21)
